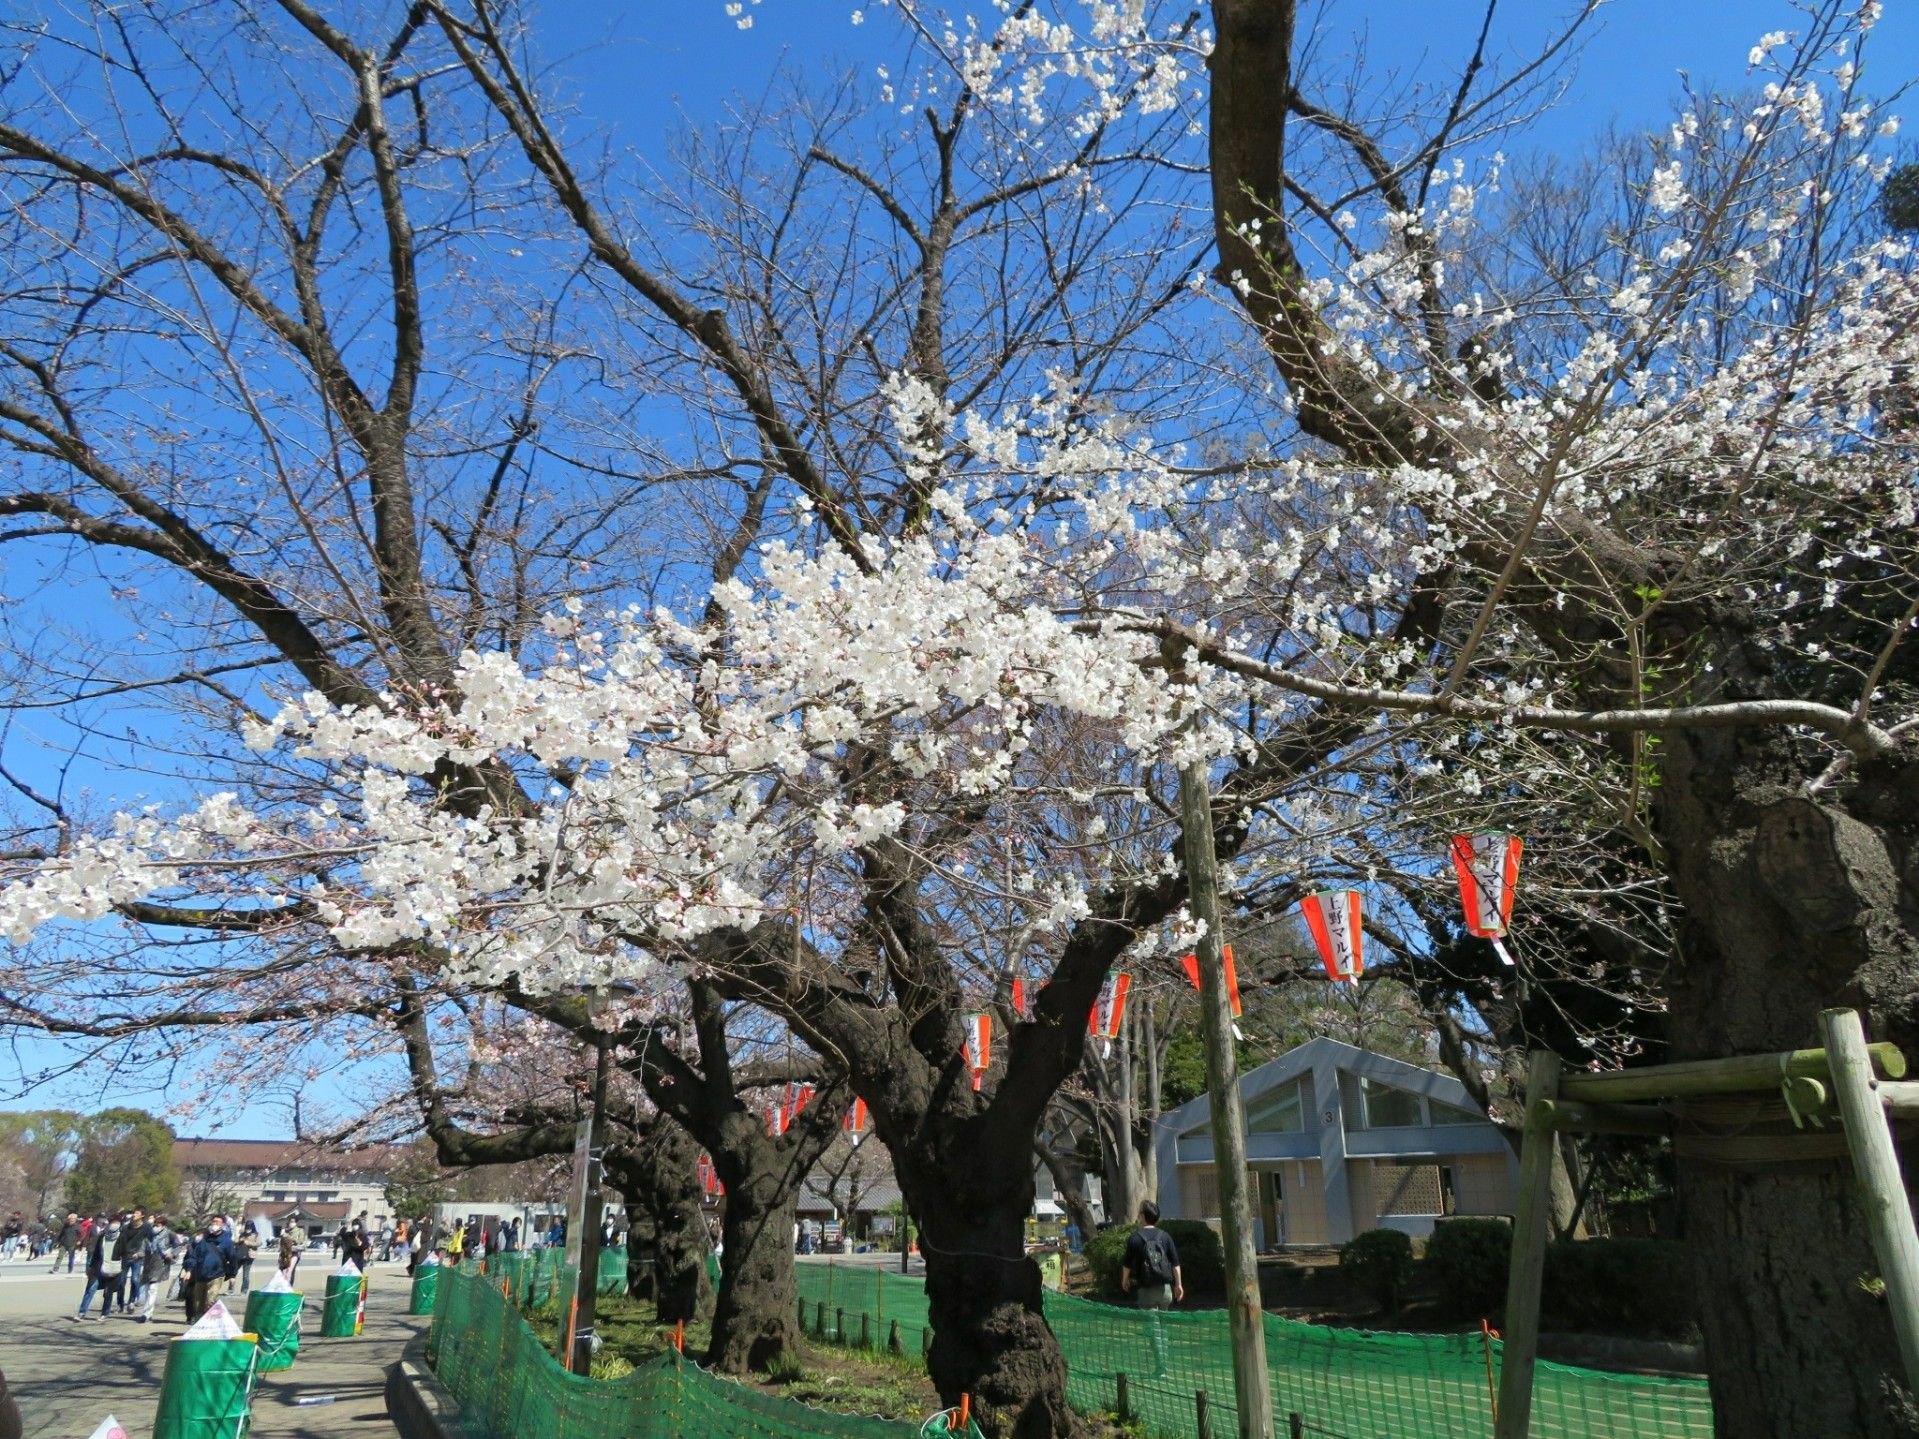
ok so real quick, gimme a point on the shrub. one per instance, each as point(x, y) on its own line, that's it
point(1202, 1263)
point(611, 1366)
point(1380, 1262)
point(1466, 1259)
point(1627, 1286)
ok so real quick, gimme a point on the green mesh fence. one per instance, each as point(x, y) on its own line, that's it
point(508, 1385)
point(1345, 1383)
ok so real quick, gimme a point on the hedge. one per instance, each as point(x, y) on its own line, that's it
point(1202, 1263)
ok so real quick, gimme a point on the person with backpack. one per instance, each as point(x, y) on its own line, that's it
point(210, 1260)
point(103, 1272)
point(1150, 1270)
point(1150, 1273)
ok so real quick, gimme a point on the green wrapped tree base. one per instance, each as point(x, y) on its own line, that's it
point(340, 1314)
point(206, 1389)
point(275, 1318)
point(426, 1287)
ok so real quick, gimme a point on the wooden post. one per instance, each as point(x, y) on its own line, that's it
point(839, 1326)
point(1296, 1425)
point(1202, 1414)
point(1122, 1402)
point(1882, 1193)
point(893, 1336)
point(1531, 1226)
point(819, 1320)
point(1244, 1313)
point(866, 1330)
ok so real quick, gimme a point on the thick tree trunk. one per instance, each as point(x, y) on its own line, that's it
point(990, 1336)
point(1792, 905)
point(659, 1176)
point(753, 1318)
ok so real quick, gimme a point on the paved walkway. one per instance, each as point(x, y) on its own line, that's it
point(69, 1376)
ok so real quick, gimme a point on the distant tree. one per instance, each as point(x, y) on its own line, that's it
point(200, 1198)
point(37, 1148)
point(413, 1189)
point(1899, 201)
point(125, 1160)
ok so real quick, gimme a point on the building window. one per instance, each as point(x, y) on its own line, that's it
point(1278, 1111)
point(1446, 1114)
point(1389, 1108)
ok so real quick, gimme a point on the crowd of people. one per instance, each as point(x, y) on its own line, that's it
point(134, 1261)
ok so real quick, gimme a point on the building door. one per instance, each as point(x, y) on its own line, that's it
point(1272, 1209)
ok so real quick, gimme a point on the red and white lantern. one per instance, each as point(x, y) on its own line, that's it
point(1487, 862)
point(1109, 1011)
point(978, 1045)
point(1335, 919)
point(709, 1177)
point(1020, 1008)
point(856, 1121)
point(1190, 963)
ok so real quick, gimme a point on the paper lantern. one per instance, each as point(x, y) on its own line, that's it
point(856, 1121)
point(1109, 1010)
point(1487, 862)
point(978, 1045)
point(1020, 1008)
point(1333, 916)
point(1190, 963)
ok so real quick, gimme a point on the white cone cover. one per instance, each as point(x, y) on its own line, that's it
point(349, 1267)
point(277, 1284)
point(110, 1428)
point(216, 1323)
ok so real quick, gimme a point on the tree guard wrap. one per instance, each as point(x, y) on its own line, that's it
point(275, 1318)
point(206, 1389)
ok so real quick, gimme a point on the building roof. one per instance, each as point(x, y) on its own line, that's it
point(376, 1160)
point(279, 1213)
point(1301, 1059)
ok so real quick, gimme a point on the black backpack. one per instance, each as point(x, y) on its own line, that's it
point(1156, 1258)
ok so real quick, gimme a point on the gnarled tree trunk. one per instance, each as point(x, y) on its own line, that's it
point(659, 1175)
point(990, 1336)
point(1793, 905)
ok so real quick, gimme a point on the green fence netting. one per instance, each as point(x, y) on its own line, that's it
point(508, 1385)
point(1345, 1383)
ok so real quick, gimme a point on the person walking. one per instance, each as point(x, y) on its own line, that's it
point(103, 1272)
point(130, 1251)
point(356, 1248)
point(245, 1248)
point(207, 1264)
point(67, 1244)
point(156, 1266)
point(290, 1238)
point(1150, 1273)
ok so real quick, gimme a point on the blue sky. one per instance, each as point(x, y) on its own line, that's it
point(639, 72)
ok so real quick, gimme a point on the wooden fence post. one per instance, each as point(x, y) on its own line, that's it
point(1532, 1223)
point(1875, 1162)
point(1122, 1403)
point(1202, 1414)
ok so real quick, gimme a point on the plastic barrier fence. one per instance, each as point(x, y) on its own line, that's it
point(508, 1385)
point(1346, 1383)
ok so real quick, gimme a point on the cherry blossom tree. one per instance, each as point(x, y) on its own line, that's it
point(1614, 534)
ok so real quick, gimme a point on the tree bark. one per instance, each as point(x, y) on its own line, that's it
point(990, 1336)
point(1792, 905)
point(659, 1175)
point(753, 1319)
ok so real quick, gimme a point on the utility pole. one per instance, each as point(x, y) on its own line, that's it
point(1245, 1316)
point(586, 1285)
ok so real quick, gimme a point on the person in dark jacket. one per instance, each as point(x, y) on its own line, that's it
point(210, 1258)
point(131, 1252)
point(357, 1248)
point(68, 1243)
